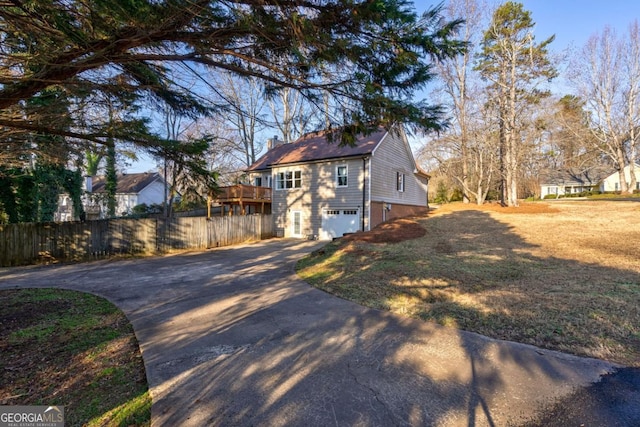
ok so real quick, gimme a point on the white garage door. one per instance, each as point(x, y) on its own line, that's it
point(336, 222)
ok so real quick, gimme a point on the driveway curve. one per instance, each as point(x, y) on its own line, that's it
point(231, 336)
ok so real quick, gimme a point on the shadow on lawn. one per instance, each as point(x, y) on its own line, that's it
point(231, 337)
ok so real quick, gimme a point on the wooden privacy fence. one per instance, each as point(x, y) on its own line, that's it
point(31, 243)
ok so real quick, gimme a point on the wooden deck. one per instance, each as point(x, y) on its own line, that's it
point(240, 197)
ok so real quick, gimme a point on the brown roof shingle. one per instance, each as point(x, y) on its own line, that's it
point(314, 147)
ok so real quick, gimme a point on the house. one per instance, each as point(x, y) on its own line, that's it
point(571, 181)
point(323, 190)
point(132, 189)
point(612, 182)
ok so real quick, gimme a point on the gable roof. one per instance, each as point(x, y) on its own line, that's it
point(127, 183)
point(590, 176)
point(314, 147)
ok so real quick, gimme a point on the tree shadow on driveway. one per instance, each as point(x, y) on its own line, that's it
point(232, 337)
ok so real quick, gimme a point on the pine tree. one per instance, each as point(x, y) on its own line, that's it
point(514, 64)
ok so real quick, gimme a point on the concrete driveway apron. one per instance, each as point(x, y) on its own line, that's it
point(231, 337)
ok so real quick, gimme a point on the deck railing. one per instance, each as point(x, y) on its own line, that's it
point(241, 192)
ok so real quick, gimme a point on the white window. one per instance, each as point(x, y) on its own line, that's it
point(257, 181)
point(287, 180)
point(341, 175)
point(400, 181)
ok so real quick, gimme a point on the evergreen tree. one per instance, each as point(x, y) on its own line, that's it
point(514, 64)
point(372, 61)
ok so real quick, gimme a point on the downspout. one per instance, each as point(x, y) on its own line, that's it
point(364, 188)
point(369, 190)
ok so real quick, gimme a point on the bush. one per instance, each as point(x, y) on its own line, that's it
point(441, 193)
point(143, 210)
point(456, 195)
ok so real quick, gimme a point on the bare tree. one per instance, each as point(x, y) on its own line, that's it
point(443, 153)
point(291, 113)
point(244, 113)
point(457, 77)
point(631, 58)
point(224, 154)
point(600, 77)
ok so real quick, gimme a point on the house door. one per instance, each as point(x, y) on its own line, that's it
point(296, 224)
point(337, 222)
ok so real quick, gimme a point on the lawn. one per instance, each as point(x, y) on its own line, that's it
point(562, 275)
point(72, 349)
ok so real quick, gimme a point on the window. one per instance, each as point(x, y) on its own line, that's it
point(287, 180)
point(257, 181)
point(341, 174)
point(400, 182)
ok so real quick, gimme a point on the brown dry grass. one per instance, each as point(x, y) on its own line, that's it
point(561, 275)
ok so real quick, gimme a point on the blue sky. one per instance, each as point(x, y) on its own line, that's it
point(572, 22)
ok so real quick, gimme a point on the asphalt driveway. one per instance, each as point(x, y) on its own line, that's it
point(231, 337)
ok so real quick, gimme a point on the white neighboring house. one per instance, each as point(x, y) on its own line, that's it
point(612, 182)
point(133, 189)
point(570, 181)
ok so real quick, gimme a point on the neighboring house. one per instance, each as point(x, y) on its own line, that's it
point(65, 209)
point(133, 189)
point(324, 190)
point(567, 182)
point(612, 182)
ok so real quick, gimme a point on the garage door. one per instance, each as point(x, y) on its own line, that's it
point(336, 222)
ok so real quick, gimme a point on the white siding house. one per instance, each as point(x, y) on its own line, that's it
point(612, 182)
point(133, 189)
point(602, 179)
point(323, 190)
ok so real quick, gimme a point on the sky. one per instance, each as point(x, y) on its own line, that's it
point(571, 21)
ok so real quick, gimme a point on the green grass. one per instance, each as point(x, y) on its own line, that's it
point(73, 349)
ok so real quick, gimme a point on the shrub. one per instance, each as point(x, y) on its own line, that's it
point(456, 195)
point(143, 210)
point(441, 193)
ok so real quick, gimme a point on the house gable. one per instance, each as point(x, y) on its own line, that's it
point(132, 190)
point(320, 188)
point(612, 181)
point(398, 187)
